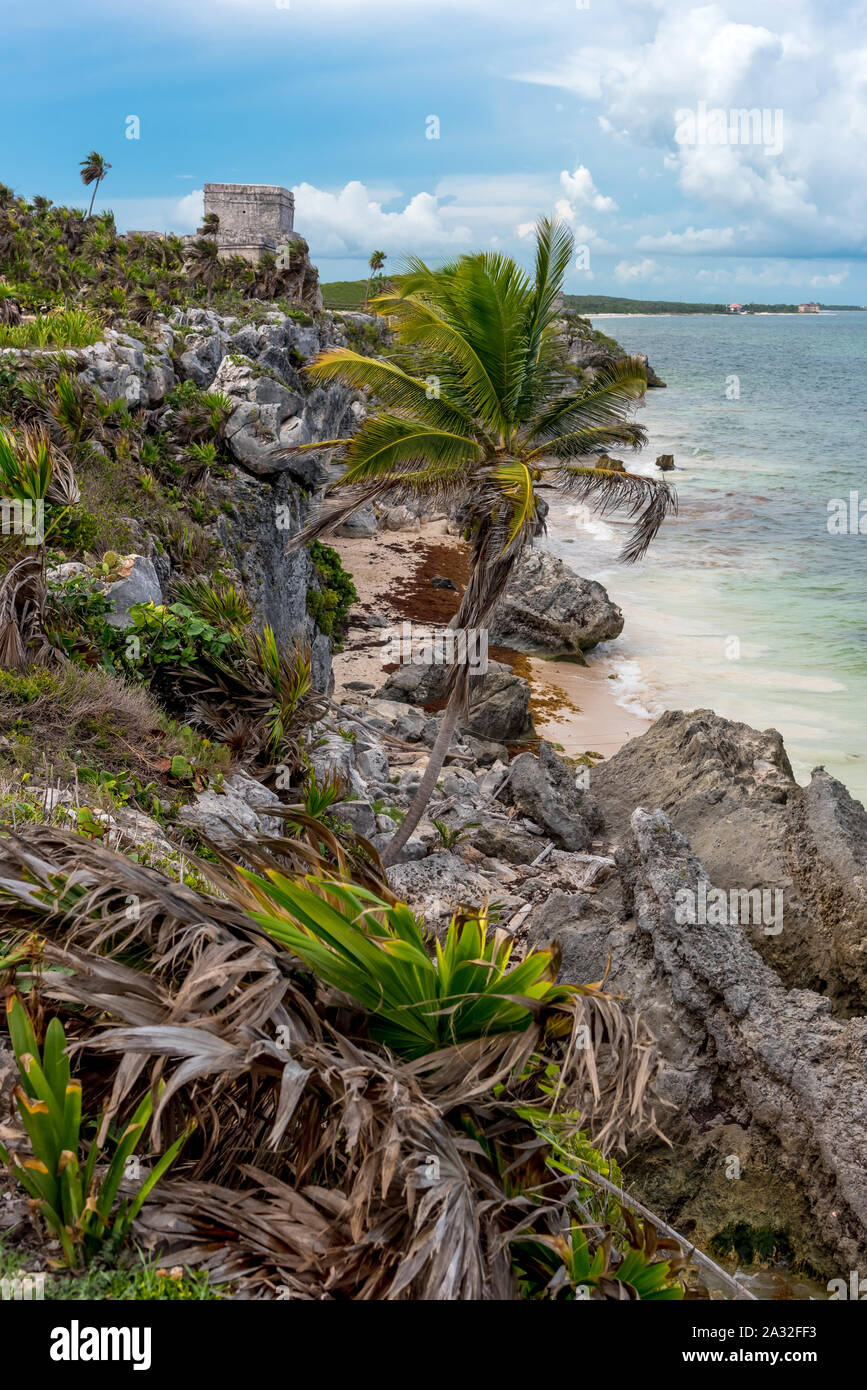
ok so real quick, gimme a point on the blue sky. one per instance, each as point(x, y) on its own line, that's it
point(617, 114)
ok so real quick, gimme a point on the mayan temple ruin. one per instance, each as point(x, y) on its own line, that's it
point(254, 217)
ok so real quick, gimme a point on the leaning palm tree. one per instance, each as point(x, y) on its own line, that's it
point(489, 417)
point(376, 262)
point(93, 171)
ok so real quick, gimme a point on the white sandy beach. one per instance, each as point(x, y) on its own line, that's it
point(573, 706)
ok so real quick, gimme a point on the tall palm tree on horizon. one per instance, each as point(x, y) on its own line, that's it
point(93, 170)
point(376, 262)
point(490, 416)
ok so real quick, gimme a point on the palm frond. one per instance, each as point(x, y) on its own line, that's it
point(648, 500)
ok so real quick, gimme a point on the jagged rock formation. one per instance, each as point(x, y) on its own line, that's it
point(547, 607)
point(265, 498)
point(730, 790)
point(585, 351)
point(766, 1086)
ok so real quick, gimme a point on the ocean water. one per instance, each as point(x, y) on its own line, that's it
point(746, 603)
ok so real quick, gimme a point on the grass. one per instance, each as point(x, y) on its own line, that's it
point(142, 1279)
point(79, 717)
point(349, 294)
point(59, 329)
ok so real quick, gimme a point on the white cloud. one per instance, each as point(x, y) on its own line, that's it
point(350, 222)
point(581, 191)
point(692, 240)
point(800, 59)
point(640, 270)
point(819, 282)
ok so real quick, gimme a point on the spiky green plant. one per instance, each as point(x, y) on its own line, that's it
point(219, 603)
point(376, 952)
point(77, 1206)
point(568, 1266)
point(488, 416)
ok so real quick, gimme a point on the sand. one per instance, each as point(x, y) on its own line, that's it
point(573, 706)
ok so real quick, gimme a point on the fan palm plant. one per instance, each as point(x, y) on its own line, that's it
point(489, 417)
point(93, 170)
point(204, 259)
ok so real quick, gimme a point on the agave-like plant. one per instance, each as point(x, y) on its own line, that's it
point(80, 1208)
point(376, 952)
point(324, 1161)
point(221, 604)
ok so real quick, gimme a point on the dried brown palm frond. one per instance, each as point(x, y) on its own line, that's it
point(313, 848)
point(23, 639)
point(153, 954)
point(364, 1177)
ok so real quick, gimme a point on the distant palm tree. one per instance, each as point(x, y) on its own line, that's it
point(93, 171)
point(376, 262)
point(490, 413)
point(204, 259)
point(210, 225)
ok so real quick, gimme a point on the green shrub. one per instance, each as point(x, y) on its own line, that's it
point(330, 605)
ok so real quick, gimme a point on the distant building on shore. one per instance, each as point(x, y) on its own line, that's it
point(809, 308)
point(254, 218)
point(736, 308)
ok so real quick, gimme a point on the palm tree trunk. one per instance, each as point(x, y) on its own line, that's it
point(92, 198)
point(435, 762)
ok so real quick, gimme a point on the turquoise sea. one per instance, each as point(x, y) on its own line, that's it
point(746, 602)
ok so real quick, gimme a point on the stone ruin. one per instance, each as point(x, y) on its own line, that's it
point(254, 218)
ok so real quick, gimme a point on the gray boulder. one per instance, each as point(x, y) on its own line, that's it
point(740, 1049)
point(239, 810)
point(730, 790)
point(499, 700)
point(140, 584)
point(361, 524)
point(543, 788)
point(437, 886)
point(547, 607)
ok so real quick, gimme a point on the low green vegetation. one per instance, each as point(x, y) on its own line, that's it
point(62, 328)
point(329, 605)
point(615, 304)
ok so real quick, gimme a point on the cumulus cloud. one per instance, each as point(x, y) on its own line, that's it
point(349, 222)
point(581, 191)
point(800, 60)
point(640, 270)
point(692, 240)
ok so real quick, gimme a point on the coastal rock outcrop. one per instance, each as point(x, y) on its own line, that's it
point(767, 1087)
point(499, 700)
point(547, 607)
point(730, 790)
point(587, 350)
point(544, 789)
